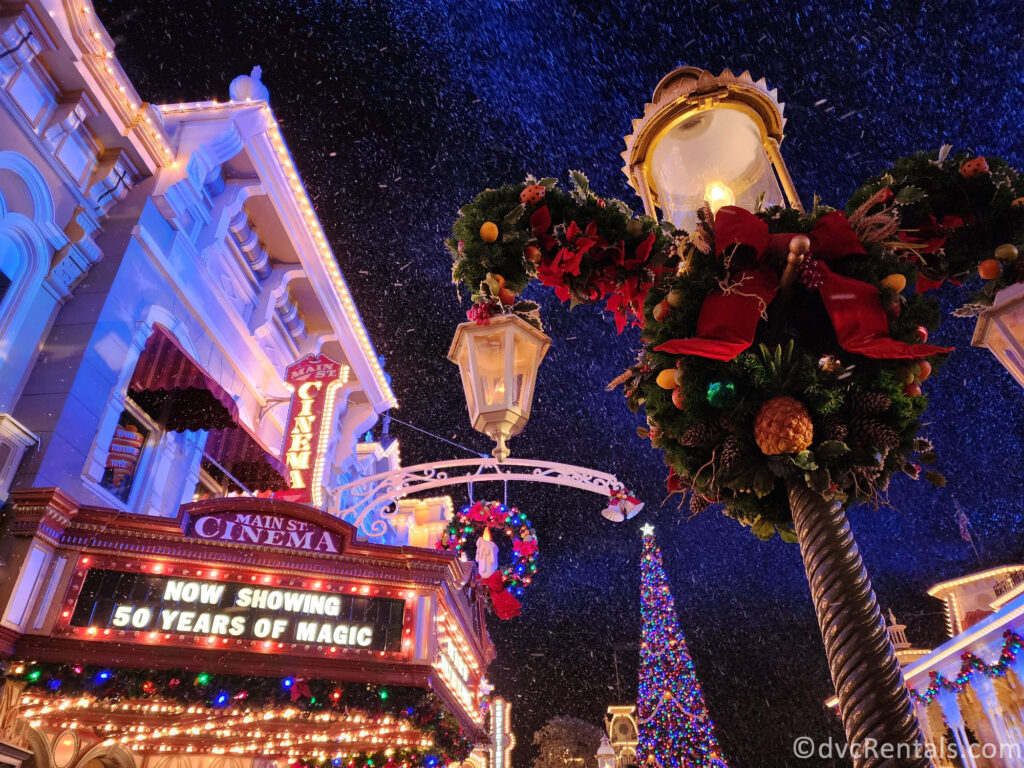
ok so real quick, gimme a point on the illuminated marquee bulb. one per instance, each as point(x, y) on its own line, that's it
point(718, 195)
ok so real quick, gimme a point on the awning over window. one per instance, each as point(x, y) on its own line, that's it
point(175, 391)
point(245, 457)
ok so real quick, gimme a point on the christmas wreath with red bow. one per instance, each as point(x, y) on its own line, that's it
point(474, 524)
point(777, 344)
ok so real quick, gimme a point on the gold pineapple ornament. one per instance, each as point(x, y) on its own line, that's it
point(783, 426)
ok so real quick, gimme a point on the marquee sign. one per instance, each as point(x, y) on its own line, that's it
point(314, 381)
point(269, 530)
point(189, 609)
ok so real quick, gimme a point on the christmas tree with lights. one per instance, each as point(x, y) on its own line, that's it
point(675, 728)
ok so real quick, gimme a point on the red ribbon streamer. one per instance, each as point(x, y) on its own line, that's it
point(505, 605)
point(728, 321)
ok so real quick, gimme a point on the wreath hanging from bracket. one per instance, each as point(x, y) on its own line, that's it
point(474, 523)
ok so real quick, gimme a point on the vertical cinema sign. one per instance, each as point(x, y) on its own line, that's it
point(314, 381)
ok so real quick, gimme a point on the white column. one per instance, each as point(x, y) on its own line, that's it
point(955, 720)
point(985, 690)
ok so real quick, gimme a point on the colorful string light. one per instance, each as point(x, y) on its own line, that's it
point(675, 729)
point(312, 722)
point(1012, 643)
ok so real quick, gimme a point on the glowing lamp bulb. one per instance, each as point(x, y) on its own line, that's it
point(718, 195)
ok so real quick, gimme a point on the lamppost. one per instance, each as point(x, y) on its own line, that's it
point(605, 754)
point(716, 139)
point(498, 363)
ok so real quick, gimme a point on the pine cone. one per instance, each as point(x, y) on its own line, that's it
point(869, 403)
point(700, 436)
point(874, 434)
point(730, 452)
point(836, 429)
point(783, 426)
point(698, 503)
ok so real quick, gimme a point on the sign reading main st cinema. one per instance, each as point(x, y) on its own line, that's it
point(141, 602)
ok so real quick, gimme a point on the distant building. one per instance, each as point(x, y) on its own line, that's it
point(968, 693)
point(620, 722)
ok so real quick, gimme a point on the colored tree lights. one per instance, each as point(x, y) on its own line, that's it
point(675, 728)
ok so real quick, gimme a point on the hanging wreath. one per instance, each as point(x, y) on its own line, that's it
point(474, 524)
point(780, 347)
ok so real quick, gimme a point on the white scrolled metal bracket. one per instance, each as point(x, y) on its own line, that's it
point(368, 499)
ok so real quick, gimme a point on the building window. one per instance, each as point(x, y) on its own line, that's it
point(214, 483)
point(124, 455)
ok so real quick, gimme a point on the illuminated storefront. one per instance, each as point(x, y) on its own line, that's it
point(185, 382)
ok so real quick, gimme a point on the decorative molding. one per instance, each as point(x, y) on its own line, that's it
point(368, 499)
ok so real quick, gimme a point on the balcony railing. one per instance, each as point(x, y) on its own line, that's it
point(1011, 581)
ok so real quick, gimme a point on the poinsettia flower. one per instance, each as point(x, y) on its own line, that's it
point(540, 220)
point(550, 271)
point(570, 259)
point(931, 232)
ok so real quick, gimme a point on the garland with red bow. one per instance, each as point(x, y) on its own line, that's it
point(777, 344)
point(508, 583)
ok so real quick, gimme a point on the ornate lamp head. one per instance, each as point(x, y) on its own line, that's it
point(709, 138)
point(499, 363)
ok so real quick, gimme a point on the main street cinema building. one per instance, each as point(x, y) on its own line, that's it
point(184, 379)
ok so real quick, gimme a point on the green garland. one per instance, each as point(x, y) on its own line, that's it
point(423, 710)
point(928, 219)
point(953, 211)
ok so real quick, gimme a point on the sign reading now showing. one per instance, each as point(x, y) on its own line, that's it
point(148, 603)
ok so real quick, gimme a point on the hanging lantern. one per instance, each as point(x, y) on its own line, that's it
point(1000, 329)
point(499, 364)
point(708, 138)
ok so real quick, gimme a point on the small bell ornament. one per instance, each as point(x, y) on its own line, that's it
point(622, 506)
point(486, 555)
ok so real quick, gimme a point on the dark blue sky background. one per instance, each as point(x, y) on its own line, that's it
point(399, 112)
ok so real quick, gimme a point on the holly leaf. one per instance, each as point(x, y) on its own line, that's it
point(786, 533)
point(830, 450)
point(623, 208)
point(643, 432)
point(548, 183)
point(512, 217)
point(935, 478)
point(819, 480)
point(928, 457)
point(781, 466)
point(525, 306)
point(763, 529)
point(764, 482)
point(909, 195)
point(805, 460)
point(581, 186)
point(944, 151)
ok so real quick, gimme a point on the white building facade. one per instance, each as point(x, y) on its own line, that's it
point(179, 354)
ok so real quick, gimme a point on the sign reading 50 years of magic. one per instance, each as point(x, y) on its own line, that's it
point(144, 603)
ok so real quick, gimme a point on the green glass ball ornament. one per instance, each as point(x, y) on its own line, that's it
point(722, 394)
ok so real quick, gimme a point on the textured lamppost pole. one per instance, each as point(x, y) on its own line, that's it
point(716, 139)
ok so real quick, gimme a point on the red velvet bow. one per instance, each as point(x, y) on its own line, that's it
point(505, 605)
point(728, 321)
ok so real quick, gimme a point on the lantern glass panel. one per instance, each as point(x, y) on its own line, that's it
point(489, 356)
point(716, 155)
point(525, 369)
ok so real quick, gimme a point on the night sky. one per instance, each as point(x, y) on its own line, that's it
point(397, 113)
